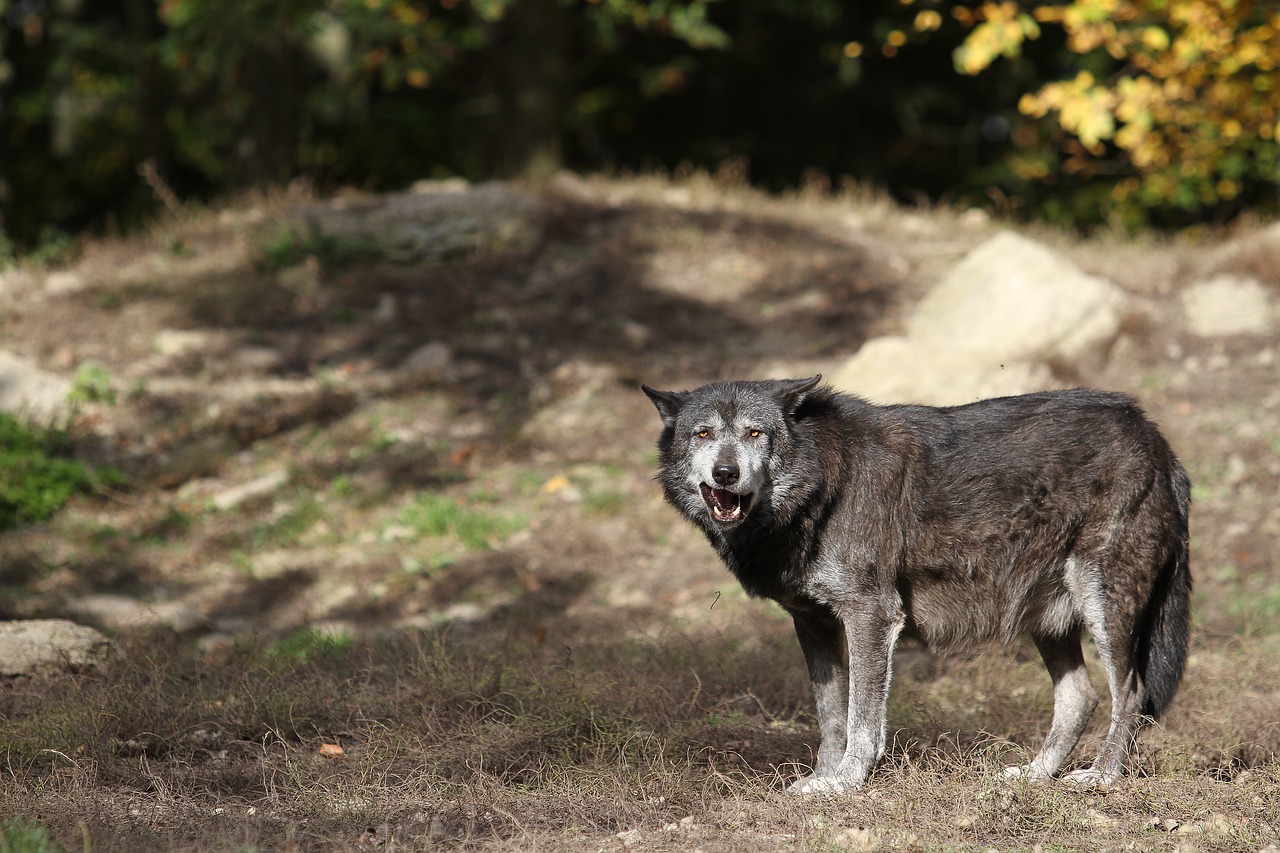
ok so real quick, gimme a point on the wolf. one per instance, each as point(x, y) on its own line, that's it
point(1045, 514)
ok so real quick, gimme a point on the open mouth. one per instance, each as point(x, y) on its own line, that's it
point(726, 507)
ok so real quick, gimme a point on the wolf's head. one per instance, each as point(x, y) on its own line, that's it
point(721, 445)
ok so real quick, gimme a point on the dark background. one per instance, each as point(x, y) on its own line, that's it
point(112, 108)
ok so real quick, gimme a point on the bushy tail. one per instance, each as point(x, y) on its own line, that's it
point(1162, 644)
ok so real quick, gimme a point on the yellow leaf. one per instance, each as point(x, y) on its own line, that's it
point(555, 484)
point(927, 21)
point(1029, 105)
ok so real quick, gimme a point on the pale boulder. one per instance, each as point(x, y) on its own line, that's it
point(1012, 298)
point(1228, 305)
point(992, 328)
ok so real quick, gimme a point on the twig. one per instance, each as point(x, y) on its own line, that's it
point(147, 169)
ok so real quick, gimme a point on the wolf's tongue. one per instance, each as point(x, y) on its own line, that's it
point(725, 505)
point(725, 500)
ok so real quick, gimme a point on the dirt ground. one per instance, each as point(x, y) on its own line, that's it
point(407, 511)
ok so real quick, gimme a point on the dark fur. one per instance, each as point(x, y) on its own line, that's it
point(1045, 514)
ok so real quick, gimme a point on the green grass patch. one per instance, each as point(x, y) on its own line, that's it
point(37, 474)
point(24, 836)
point(1255, 606)
point(605, 503)
point(292, 244)
point(288, 529)
point(433, 516)
point(308, 643)
point(93, 383)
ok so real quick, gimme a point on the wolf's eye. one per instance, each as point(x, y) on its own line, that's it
point(703, 433)
point(754, 433)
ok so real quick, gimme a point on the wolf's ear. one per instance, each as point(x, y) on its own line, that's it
point(669, 403)
point(793, 392)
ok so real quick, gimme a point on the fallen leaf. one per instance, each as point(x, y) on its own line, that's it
point(555, 484)
point(331, 751)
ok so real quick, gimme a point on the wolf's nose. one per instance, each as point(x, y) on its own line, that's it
point(725, 474)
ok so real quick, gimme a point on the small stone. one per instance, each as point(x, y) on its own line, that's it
point(387, 310)
point(232, 497)
point(180, 341)
point(41, 645)
point(429, 361)
point(629, 837)
point(63, 282)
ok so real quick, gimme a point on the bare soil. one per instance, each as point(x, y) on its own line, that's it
point(391, 573)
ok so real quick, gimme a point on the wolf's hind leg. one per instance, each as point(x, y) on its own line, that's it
point(1074, 701)
point(1113, 641)
point(1126, 720)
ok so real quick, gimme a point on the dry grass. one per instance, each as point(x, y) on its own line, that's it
point(649, 745)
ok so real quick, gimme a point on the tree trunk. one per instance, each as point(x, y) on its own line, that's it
point(6, 74)
point(267, 153)
point(533, 78)
point(144, 32)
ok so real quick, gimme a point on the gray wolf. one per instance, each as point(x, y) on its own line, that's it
point(1046, 514)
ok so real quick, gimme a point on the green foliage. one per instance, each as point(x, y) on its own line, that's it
point(1174, 104)
point(36, 477)
point(52, 248)
point(1081, 110)
point(199, 97)
point(24, 836)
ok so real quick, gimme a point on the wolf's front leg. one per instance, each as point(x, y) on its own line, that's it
point(871, 631)
point(822, 641)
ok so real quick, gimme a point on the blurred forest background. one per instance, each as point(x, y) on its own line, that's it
point(1123, 113)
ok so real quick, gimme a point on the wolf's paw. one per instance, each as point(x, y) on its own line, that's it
point(1021, 773)
point(820, 785)
point(1089, 779)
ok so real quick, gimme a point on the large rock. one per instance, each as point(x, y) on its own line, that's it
point(992, 328)
point(28, 391)
point(44, 645)
point(1012, 298)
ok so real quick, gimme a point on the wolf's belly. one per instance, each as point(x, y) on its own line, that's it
point(953, 609)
